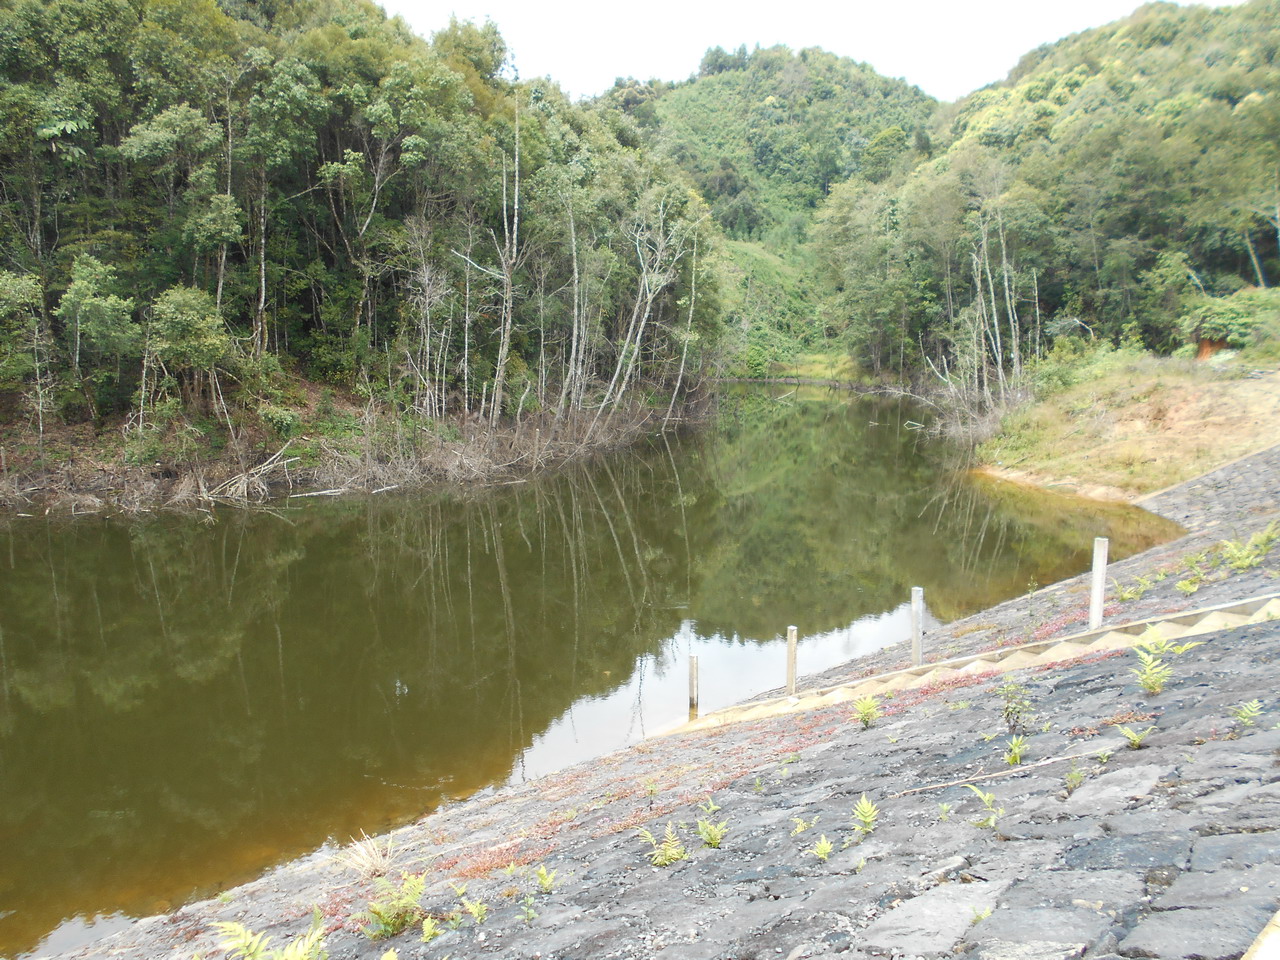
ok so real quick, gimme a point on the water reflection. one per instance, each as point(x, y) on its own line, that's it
point(183, 703)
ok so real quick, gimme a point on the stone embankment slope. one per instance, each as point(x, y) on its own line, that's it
point(1086, 848)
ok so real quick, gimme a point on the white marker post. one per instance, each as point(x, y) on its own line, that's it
point(693, 688)
point(917, 626)
point(1098, 591)
point(792, 637)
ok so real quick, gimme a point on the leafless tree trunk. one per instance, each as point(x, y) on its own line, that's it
point(1253, 257)
point(688, 331)
point(260, 314)
point(568, 386)
point(509, 255)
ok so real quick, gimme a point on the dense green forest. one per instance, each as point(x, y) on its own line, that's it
point(227, 223)
point(204, 203)
point(1122, 184)
point(765, 135)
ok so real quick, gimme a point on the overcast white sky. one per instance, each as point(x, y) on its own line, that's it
point(947, 48)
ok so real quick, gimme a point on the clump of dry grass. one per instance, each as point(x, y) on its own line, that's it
point(368, 857)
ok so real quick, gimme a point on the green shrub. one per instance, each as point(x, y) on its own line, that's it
point(284, 422)
point(1264, 305)
point(1215, 318)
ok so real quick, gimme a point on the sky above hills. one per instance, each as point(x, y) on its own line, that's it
point(946, 48)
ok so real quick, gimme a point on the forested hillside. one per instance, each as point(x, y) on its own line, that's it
point(1121, 184)
point(204, 203)
point(764, 135)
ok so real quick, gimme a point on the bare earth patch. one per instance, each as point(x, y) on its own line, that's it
point(1135, 432)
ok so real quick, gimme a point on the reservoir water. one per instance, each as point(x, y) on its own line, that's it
point(188, 699)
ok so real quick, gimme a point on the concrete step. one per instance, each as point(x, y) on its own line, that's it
point(1111, 640)
point(1165, 631)
point(839, 695)
point(1067, 650)
point(1266, 611)
point(1019, 659)
point(898, 682)
point(771, 709)
point(924, 679)
point(1220, 620)
point(982, 665)
point(874, 687)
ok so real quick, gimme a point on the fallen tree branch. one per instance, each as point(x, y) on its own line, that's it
point(1022, 767)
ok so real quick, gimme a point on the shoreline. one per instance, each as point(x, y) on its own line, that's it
point(609, 901)
point(479, 458)
point(1030, 478)
point(1103, 492)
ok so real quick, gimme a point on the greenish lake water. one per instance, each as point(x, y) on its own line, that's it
point(187, 700)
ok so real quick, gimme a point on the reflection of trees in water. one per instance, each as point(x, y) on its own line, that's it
point(171, 689)
point(994, 539)
point(173, 693)
point(831, 509)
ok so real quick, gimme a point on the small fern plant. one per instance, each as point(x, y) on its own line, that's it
point(801, 825)
point(670, 849)
point(546, 879)
point(1074, 778)
point(476, 909)
point(866, 710)
point(430, 929)
point(1152, 672)
point(822, 848)
point(1135, 737)
point(1246, 714)
point(865, 814)
point(241, 943)
point(712, 834)
point(394, 909)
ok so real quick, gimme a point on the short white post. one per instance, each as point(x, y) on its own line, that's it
point(693, 688)
point(792, 637)
point(1098, 592)
point(917, 626)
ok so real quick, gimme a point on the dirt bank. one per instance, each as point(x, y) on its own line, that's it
point(1030, 478)
point(1135, 424)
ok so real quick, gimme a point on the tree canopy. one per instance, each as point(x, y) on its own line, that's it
point(205, 194)
point(1113, 181)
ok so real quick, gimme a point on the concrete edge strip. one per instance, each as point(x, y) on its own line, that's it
point(1266, 946)
point(1135, 628)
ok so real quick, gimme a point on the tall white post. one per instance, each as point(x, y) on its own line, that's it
point(792, 637)
point(693, 688)
point(917, 626)
point(1098, 591)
